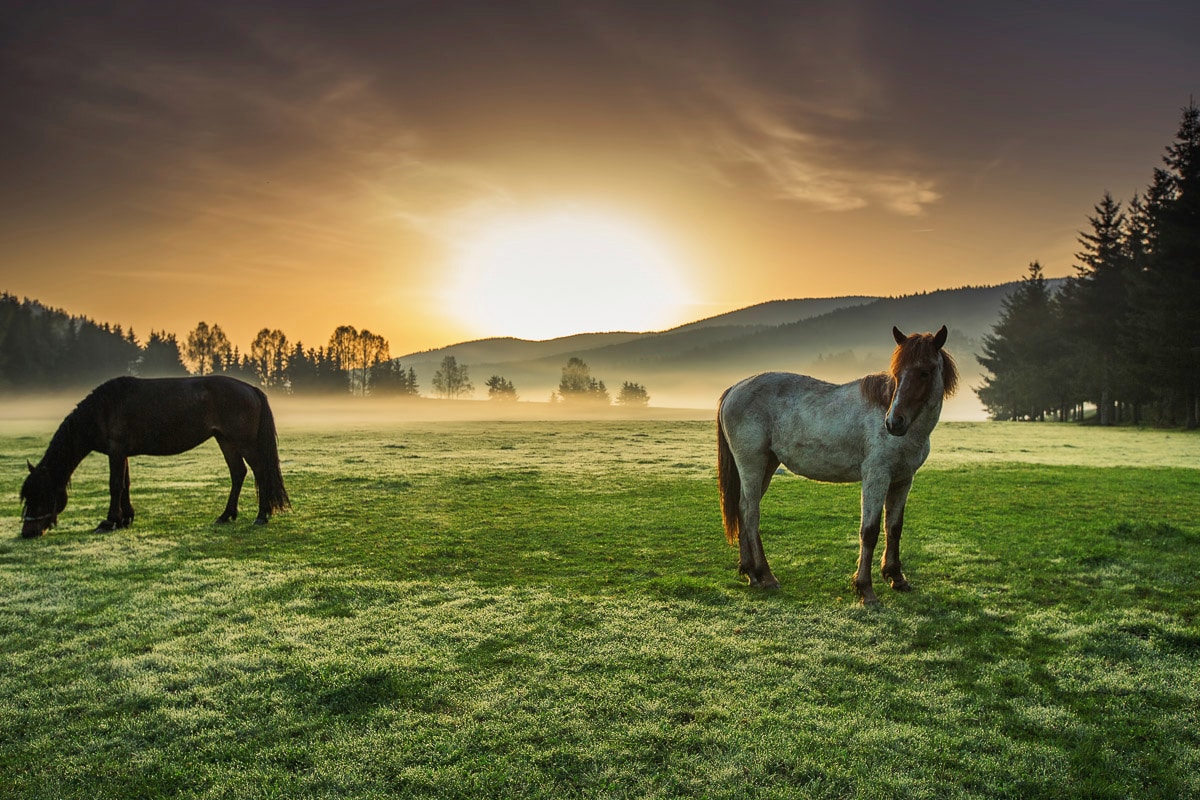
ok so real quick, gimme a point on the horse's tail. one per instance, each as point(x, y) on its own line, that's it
point(269, 479)
point(730, 483)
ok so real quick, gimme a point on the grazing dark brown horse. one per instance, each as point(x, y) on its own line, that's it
point(875, 430)
point(130, 416)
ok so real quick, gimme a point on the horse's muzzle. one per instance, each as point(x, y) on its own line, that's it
point(33, 527)
point(896, 424)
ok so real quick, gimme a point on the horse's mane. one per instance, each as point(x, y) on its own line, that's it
point(72, 440)
point(878, 388)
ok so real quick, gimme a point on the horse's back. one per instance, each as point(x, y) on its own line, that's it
point(165, 416)
point(815, 428)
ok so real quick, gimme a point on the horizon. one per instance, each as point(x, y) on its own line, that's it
point(181, 335)
point(457, 173)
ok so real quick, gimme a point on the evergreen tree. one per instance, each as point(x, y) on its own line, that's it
point(577, 384)
point(161, 357)
point(633, 394)
point(390, 378)
point(1098, 306)
point(1166, 294)
point(1021, 353)
point(501, 388)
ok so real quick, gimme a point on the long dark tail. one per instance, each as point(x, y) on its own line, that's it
point(730, 483)
point(269, 480)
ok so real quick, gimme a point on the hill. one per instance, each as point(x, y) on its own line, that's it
point(836, 339)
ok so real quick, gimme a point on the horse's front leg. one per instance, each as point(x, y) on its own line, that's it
point(120, 509)
point(873, 493)
point(897, 496)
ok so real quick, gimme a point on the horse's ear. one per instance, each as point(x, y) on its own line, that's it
point(29, 465)
point(897, 335)
point(939, 338)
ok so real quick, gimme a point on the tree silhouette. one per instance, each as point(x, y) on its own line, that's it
point(633, 394)
point(1020, 353)
point(1166, 292)
point(161, 357)
point(1097, 305)
point(357, 353)
point(578, 386)
point(208, 349)
point(451, 379)
point(500, 388)
point(268, 356)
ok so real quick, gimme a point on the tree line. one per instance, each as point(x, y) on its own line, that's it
point(1122, 335)
point(46, 349)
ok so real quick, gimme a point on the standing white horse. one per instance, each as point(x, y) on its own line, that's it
point(875, 430)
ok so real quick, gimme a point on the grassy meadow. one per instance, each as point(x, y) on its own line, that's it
point(549, 609)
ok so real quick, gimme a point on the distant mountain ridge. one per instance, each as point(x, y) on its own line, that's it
point(836, 339)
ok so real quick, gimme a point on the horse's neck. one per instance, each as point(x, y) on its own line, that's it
point(70, 445)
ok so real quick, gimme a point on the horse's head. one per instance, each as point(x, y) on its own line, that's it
point(922, 373)
point(42, 502)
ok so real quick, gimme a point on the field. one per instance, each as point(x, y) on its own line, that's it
point(549, 609)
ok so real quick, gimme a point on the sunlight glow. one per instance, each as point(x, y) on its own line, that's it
point(558, 273)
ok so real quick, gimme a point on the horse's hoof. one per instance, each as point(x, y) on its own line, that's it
point(107, 526)
point(767, 581)
point(902, 586)
point(261, 521)
point(224, 520)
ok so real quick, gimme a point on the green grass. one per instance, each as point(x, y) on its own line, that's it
point(550, 610)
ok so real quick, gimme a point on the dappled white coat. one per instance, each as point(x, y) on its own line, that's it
point(824, 431)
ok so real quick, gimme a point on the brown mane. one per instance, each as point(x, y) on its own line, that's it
point(878, 388)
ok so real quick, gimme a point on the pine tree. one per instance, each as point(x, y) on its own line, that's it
point(500, 388)
point(633, 394)
point(577, 384)
point(1021, 354)
point(1097, 316)
point(1166, 294)
point(161, 357)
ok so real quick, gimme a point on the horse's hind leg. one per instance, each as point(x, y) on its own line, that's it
point(753, 561)
point(897, 496)
point(237, 476)
point(120, 509)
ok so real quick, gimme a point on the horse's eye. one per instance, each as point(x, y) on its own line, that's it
point(926, 374)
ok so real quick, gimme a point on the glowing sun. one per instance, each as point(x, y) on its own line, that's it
point(559, 273)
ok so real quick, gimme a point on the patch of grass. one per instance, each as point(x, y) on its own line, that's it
point(550, 609)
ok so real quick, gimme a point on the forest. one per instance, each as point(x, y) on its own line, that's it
point(1119, 342)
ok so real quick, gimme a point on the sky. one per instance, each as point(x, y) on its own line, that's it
point(438, 171)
